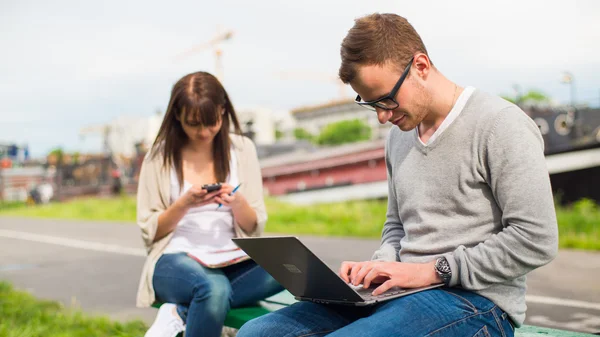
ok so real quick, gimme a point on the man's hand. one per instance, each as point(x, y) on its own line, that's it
point(390, 274)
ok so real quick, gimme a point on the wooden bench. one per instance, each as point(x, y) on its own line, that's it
point(238, 316)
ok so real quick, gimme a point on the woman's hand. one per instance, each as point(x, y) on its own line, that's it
point(196, 196)
point(234, 201)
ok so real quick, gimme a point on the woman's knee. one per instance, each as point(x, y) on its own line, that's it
point(214, 291)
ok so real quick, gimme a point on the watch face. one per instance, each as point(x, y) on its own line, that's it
point(443, 266)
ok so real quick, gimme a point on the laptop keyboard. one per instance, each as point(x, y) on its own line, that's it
point(366, 293)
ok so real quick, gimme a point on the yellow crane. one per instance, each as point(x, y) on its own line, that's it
point(213, 43)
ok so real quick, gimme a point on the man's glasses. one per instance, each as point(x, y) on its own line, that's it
point(387, 102)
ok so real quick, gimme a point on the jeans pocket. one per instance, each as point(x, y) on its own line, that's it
point(483, 332)
point(505, 324)
point(466, 304)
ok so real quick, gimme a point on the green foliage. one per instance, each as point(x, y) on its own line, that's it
point(532, 96)
point(278, 134)
point(76, 157)
point(300, 134)
point(24, 316)
point(579, 225)
point(535, 96)
point(10, 205)
point(342, 132)
point(121, 208)
point(57, 152)
point(510, 99)
point(352, 218)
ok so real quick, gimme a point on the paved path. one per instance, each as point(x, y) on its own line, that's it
point(96, 266)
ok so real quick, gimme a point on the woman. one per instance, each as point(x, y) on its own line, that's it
point(177, 216)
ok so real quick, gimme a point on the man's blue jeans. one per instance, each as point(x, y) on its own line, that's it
point(204, 296)
point(437, 312)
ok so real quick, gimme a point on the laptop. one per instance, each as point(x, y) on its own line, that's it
point(308, 278)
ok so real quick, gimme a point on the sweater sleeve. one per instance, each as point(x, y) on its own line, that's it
point(516, 172)
point(149, 203)
point(393, 230)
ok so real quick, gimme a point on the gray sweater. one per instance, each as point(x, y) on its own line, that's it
point(479, 195)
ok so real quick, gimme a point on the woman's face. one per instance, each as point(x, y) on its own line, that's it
point(197, 133)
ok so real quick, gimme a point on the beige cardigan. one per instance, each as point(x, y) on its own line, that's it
point(153, 198)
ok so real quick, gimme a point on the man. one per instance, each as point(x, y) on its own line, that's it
point(469, 204)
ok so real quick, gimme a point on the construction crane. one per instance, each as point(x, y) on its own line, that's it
point(318, 76)
point(213, 43)
point(99, 129)
point(105, 131)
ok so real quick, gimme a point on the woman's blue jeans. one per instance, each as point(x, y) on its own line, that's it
point(204, 295)
point(441, 312)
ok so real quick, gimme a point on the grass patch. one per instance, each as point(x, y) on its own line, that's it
point(120, 208)
point(579, 224)
point(22, 315)
point(11, 205)
point(352, 218)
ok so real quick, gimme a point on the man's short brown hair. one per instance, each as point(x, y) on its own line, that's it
point(377, 39)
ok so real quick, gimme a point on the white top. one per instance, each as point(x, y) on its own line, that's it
point(456, 110)
point(203, 228)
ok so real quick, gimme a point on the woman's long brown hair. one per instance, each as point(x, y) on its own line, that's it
point(196, 97)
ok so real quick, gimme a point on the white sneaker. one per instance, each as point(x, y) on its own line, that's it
point(167, 322)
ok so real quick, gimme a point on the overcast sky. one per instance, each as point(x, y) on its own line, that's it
point(65, 64)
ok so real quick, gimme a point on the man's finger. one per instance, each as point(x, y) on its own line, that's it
point(385, 286)
point(366, 269)
point(345, 270)
point(355, 270)
point(370, 276)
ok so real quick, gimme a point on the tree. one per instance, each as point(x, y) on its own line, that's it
point(55, 156)
point(76, 157)
point(531, 97)
point(347, 131)
point(300, 133)
point(278, 134)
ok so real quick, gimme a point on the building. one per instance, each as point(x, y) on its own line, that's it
point(314, 118)
point(262, 123)
point(11, 154)
point(352, 171)
point(358, 171)
point(15, 183)
point(121, 135)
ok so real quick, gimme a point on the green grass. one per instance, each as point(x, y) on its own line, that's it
point(22, 315)
point(353, 218)
point(103, 209)
point(579, 224)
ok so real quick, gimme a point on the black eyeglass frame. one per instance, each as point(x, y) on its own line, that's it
point(372, 105)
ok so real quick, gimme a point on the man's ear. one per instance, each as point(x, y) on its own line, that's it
point(422, 65)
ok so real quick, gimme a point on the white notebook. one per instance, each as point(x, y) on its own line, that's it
point(223, 257)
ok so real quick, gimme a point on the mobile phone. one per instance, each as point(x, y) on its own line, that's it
point(212, 187)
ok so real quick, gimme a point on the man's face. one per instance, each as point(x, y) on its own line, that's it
point(373, 82)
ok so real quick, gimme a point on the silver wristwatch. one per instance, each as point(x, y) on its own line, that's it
point(442, 268)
